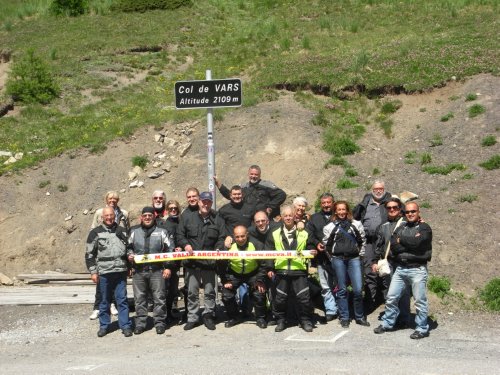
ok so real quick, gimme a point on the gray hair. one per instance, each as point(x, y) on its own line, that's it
point(378, 182)
point(159, 192)
point(298, 200)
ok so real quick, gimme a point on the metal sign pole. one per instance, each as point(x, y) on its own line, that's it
point(211, 148)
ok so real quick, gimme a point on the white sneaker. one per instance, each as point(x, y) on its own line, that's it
point(94, 315)
point(113, 309)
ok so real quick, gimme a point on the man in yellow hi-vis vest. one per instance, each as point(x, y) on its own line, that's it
point(235, 272)
point(290, 274)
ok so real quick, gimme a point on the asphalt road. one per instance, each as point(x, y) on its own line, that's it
point(61, 339)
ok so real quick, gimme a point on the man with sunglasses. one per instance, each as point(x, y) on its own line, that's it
point(149, 238)
point(411, 249)
point(395, 218)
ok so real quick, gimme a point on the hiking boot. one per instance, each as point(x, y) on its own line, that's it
point(280, 326)
point(94, 315)
point(381, 329)
point(344, 323)
point(330, 317)
point(127, 332)
point(231, 323)
point(160, 330)
point(307, 326)
point(138, 330)
point(102, 332)
point(261, 323)
point(362, 322)
point(113, 309)
point(209, 322)
point(417, 335)
point(190, 325)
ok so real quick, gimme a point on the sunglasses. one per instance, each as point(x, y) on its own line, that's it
point(173, 209)
point(411, 212)
point(158, 198)
point(392, 208)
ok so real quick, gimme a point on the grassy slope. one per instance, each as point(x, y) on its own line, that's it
point(372, 45)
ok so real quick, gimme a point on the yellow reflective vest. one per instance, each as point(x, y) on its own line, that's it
point(298, 264)
point(243, 266)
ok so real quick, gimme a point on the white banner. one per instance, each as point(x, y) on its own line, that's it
point(208, 254)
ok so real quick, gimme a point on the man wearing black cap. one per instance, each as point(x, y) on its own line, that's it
point(148, 238)
point(200, 231)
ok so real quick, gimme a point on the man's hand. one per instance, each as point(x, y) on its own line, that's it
point(300, 225)
point(228, 285)
point(228, 242)
point(217, 182)
point(374, 267)
point(320, 247)
point(261, 287)
point(177, 249)
point(313, 252)
point(95, 278)
point(131, 258)
point(269, 210)
point(167, 273)
point(270, 274)
point(189, 249)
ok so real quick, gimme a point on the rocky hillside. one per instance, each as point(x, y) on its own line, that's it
point(45, 212)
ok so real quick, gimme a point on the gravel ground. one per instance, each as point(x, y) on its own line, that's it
point(49, 339)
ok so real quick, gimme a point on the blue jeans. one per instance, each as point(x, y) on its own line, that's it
point(326, 282)
point(416, 279)
point(344, 268)
point(404, 301)
point(109, 283)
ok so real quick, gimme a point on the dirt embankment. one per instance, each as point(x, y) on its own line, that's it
point(279, 136)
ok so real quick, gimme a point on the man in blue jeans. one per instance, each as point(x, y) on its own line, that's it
point(106, 259)
point(327, 277)
point(411, 248)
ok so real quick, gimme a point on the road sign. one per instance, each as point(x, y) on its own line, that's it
point(208, 94)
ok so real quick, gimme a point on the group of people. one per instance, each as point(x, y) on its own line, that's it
point(346, 244)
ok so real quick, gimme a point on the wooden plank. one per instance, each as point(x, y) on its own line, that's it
point(50, 295)
point(53, 276)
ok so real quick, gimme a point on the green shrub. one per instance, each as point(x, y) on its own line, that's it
point(31, 81)
point(470, 97)
point(468, 176)
point(62, 188)
point(375, 171)
point(391, 107)
point(139, 161)
point(436, 140)
point(43, 184)
point(490, 294)
point(425, 158)
point(345, 183)
point(489, 140)
point(447, 117)
point(476, 110)
point(145, 5)
point(71, 8)
point(444, 170)
point(491, 163)
point(350, 172)
point(440, 286)
point(425, 205)
point(341, 146)
point(336, 160)
point(469, 198)
point(410, 157)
